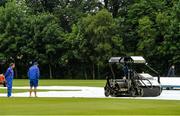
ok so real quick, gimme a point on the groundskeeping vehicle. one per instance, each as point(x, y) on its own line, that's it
point(2, 80)
point(128, 78)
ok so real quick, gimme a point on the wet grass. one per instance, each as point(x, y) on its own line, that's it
point(83, 106)
point(87, 106)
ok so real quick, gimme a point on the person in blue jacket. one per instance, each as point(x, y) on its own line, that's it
point(33, 74)
point(9, 75)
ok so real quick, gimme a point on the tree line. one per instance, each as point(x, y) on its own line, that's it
point(73, 39)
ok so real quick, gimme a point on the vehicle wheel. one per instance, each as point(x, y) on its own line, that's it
point(132, 93)
point(107, 92)
point(141, 92)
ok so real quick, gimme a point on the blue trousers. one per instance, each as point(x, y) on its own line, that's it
point(9, 88)
point(9, 92)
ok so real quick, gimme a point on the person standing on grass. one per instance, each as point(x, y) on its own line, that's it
point(171, 72)
point(33, 74)
point(9, 75)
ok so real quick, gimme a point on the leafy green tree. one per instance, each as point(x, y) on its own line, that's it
point(47, 38)
point(79, 36)
point(69, 12)
point(12, 21)
point(100, 39)
point(39, 6)
point(117, 7)
point(25, 37)
point(136, 11)
point(35, 6)
point(147, 36)
point(170, 45)
point(3, 2)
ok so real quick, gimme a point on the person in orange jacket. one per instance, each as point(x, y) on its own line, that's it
point(2, 80)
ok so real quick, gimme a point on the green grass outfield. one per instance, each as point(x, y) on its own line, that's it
point(87, 106)
point(84, 106)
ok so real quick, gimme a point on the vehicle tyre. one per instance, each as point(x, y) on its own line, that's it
point(132, 93)
point(141, 92)
point(107, 92)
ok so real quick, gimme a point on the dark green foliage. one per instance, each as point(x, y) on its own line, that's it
point(75, 38)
